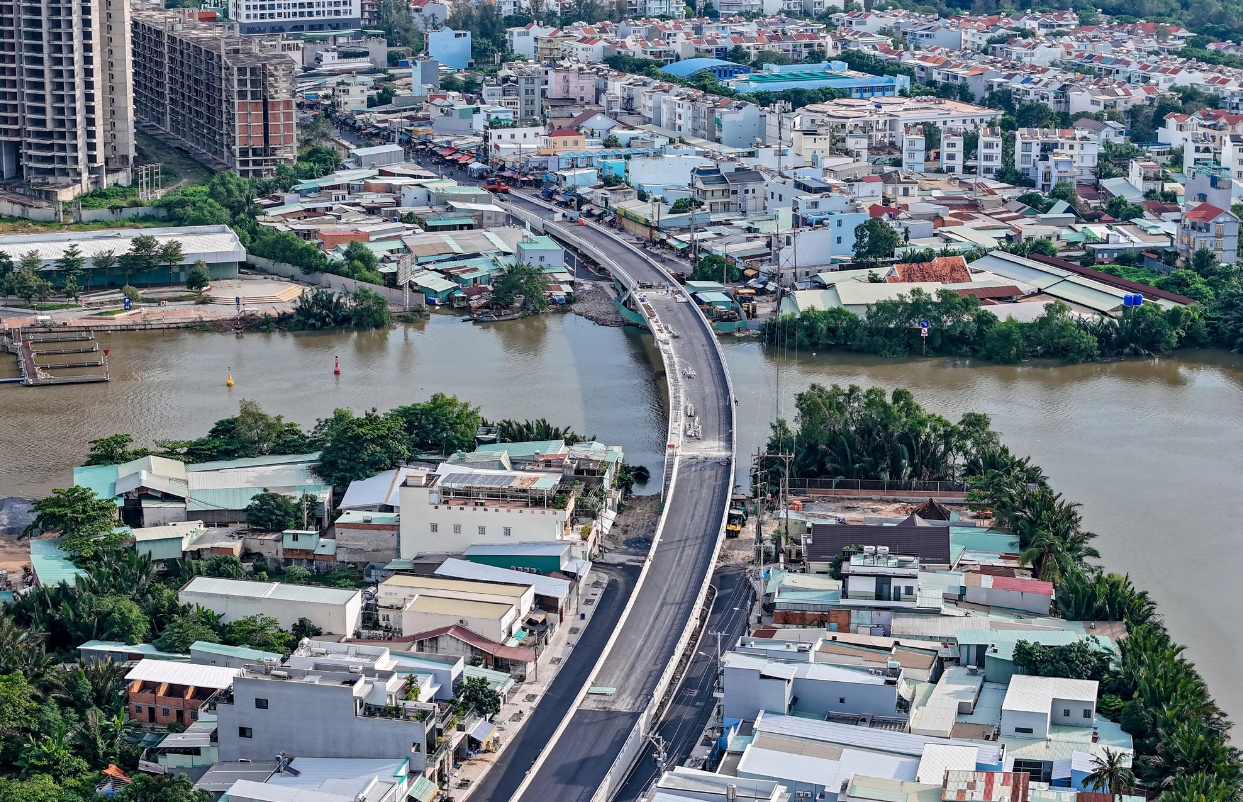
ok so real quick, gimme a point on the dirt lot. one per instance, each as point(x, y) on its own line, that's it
point(632, 532)
point(594, 301)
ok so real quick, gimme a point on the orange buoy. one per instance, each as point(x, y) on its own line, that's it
point(229, 382)
point(337, 368)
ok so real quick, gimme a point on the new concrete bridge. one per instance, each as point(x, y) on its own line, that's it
point(605, 730)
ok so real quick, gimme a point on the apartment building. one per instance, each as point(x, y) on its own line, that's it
point(989, 151)
point(227, 99)
point(530, 82)
point(1050, 155)
point(66, 104)
point(288, 16)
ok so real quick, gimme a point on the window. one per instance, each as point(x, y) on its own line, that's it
point(245, 732)
point(137, 709)
point(909, 590)
point(507, 531)
point(435, 528)
point(1024, 730)
point(483, 530)
point(841, 700)
point(261, 704)
point(1066, 712)
point(164, 712)
point(457, 529)
point(1087, 712)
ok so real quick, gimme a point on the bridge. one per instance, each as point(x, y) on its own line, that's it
point(605, 731)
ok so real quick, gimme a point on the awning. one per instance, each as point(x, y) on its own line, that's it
point(482, 731)
point(464, 157)
point(422, 789)
point(448, 151)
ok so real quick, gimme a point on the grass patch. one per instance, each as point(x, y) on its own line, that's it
point(174, 165)
point(53, 307)
point(108, 313)
point(20, 225)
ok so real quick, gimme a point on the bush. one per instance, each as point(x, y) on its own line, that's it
point(272, 511)
point(131, 292)
point(200, 276)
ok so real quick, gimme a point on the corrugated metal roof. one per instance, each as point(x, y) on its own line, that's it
point(460, 585)
point(544, 585)
point(440, 605)
point(100, 478)
point(898, 743)
point(243, 652)
point(310, 594)
point(194, 674)
point(50, 563)
point(210, 243)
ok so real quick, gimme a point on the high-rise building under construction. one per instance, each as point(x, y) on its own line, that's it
point(66, 103)
point(226, 98)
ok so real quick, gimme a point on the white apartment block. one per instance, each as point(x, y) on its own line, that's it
point(913, 149)
point(303, 16)
point(458, 507)
point(66, 110)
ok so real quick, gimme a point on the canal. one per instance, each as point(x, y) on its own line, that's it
point(1150, 448)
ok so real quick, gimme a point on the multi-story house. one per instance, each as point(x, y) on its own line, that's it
point(988, 153)
point(572, 83)
point(1211, 227)
point(530, 81)
point(953, 156)
point(913, 149)
point(746, 191)
point(738, 124)
point(522, 41)
point(1050, 155)
point(711, 189)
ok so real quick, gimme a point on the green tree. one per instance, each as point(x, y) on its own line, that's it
point(684, 205)
point(369, 310)
point(83, 520)
point(1204, 262)
point(184, 631)
point(611, 142)
point(320, 309)
point(1077, 660)
point(715, 267)
point(1065, 191)
point(443, 424)
point(520, 280)
point(28, 285)
point(875, 240)
point(170, 255)
point(163, 788)
point(17, 704)
point(297, 575)
point(274, 512)
point(200, 276)
point(258, 632)
point(739, 55)
point(358, 447)
point(224, 565)
point(1119, 208)
point(1111, 773)
point(70, 265)
point(51, 754)
point(113, 450)
point(102, 263)
point(475, 692)
point(143, 256)
point(305, 628)
point(123, 619)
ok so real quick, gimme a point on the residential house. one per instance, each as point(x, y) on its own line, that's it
point(164, 692)
point(1207, 226)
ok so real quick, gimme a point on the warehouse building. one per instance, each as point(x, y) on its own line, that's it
point(336, 611)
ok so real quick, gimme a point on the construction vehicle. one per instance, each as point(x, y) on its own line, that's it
point(497, 187)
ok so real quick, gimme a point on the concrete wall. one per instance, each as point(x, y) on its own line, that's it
point(312, 721)
point(820, 697)
point(332, 281)
point(1038, 723)
point(746, 693)
point(663, 170)
point(93, 215)
point(337, 619)
point(494, 629)
point(365, 543)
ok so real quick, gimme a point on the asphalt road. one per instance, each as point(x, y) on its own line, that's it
point(688, 713)
point(503, 779)
point(646, 644)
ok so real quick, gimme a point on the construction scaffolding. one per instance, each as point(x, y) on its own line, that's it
point(225, 98)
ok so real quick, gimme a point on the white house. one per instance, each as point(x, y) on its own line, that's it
point(913, 149)
point(953, 156)
point(1033, 704)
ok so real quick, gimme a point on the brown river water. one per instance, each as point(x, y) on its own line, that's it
point(1150, 448)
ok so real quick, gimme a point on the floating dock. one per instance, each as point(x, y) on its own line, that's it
point(34, 374)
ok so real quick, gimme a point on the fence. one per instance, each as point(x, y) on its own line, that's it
point(332, 281)
point(879, 488)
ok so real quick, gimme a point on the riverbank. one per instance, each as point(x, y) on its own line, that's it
point(1150, 447)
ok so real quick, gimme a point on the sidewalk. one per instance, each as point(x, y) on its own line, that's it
point(514, 716)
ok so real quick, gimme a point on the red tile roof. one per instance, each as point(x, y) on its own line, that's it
point(1204, 212)
point(1023, 585)
point(565, 132)
point(945, 269)
point(515, 653)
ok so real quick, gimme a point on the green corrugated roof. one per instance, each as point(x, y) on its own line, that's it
point(495, 679)
point(100, 478)
point(51, 565)
point(422, 789)
point(243, 652)
point(526, 449)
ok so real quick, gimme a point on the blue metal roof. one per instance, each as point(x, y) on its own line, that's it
point(690, 66)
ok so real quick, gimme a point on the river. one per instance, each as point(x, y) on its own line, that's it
point(1151, 448)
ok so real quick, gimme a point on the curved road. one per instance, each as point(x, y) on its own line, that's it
point(579, 760)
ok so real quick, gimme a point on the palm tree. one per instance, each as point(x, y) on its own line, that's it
point(1111, 773)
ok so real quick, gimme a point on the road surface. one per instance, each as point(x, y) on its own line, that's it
point(580, 759)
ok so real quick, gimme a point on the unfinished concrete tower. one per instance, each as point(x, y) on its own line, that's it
point(66, 100)
point(226, 98)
